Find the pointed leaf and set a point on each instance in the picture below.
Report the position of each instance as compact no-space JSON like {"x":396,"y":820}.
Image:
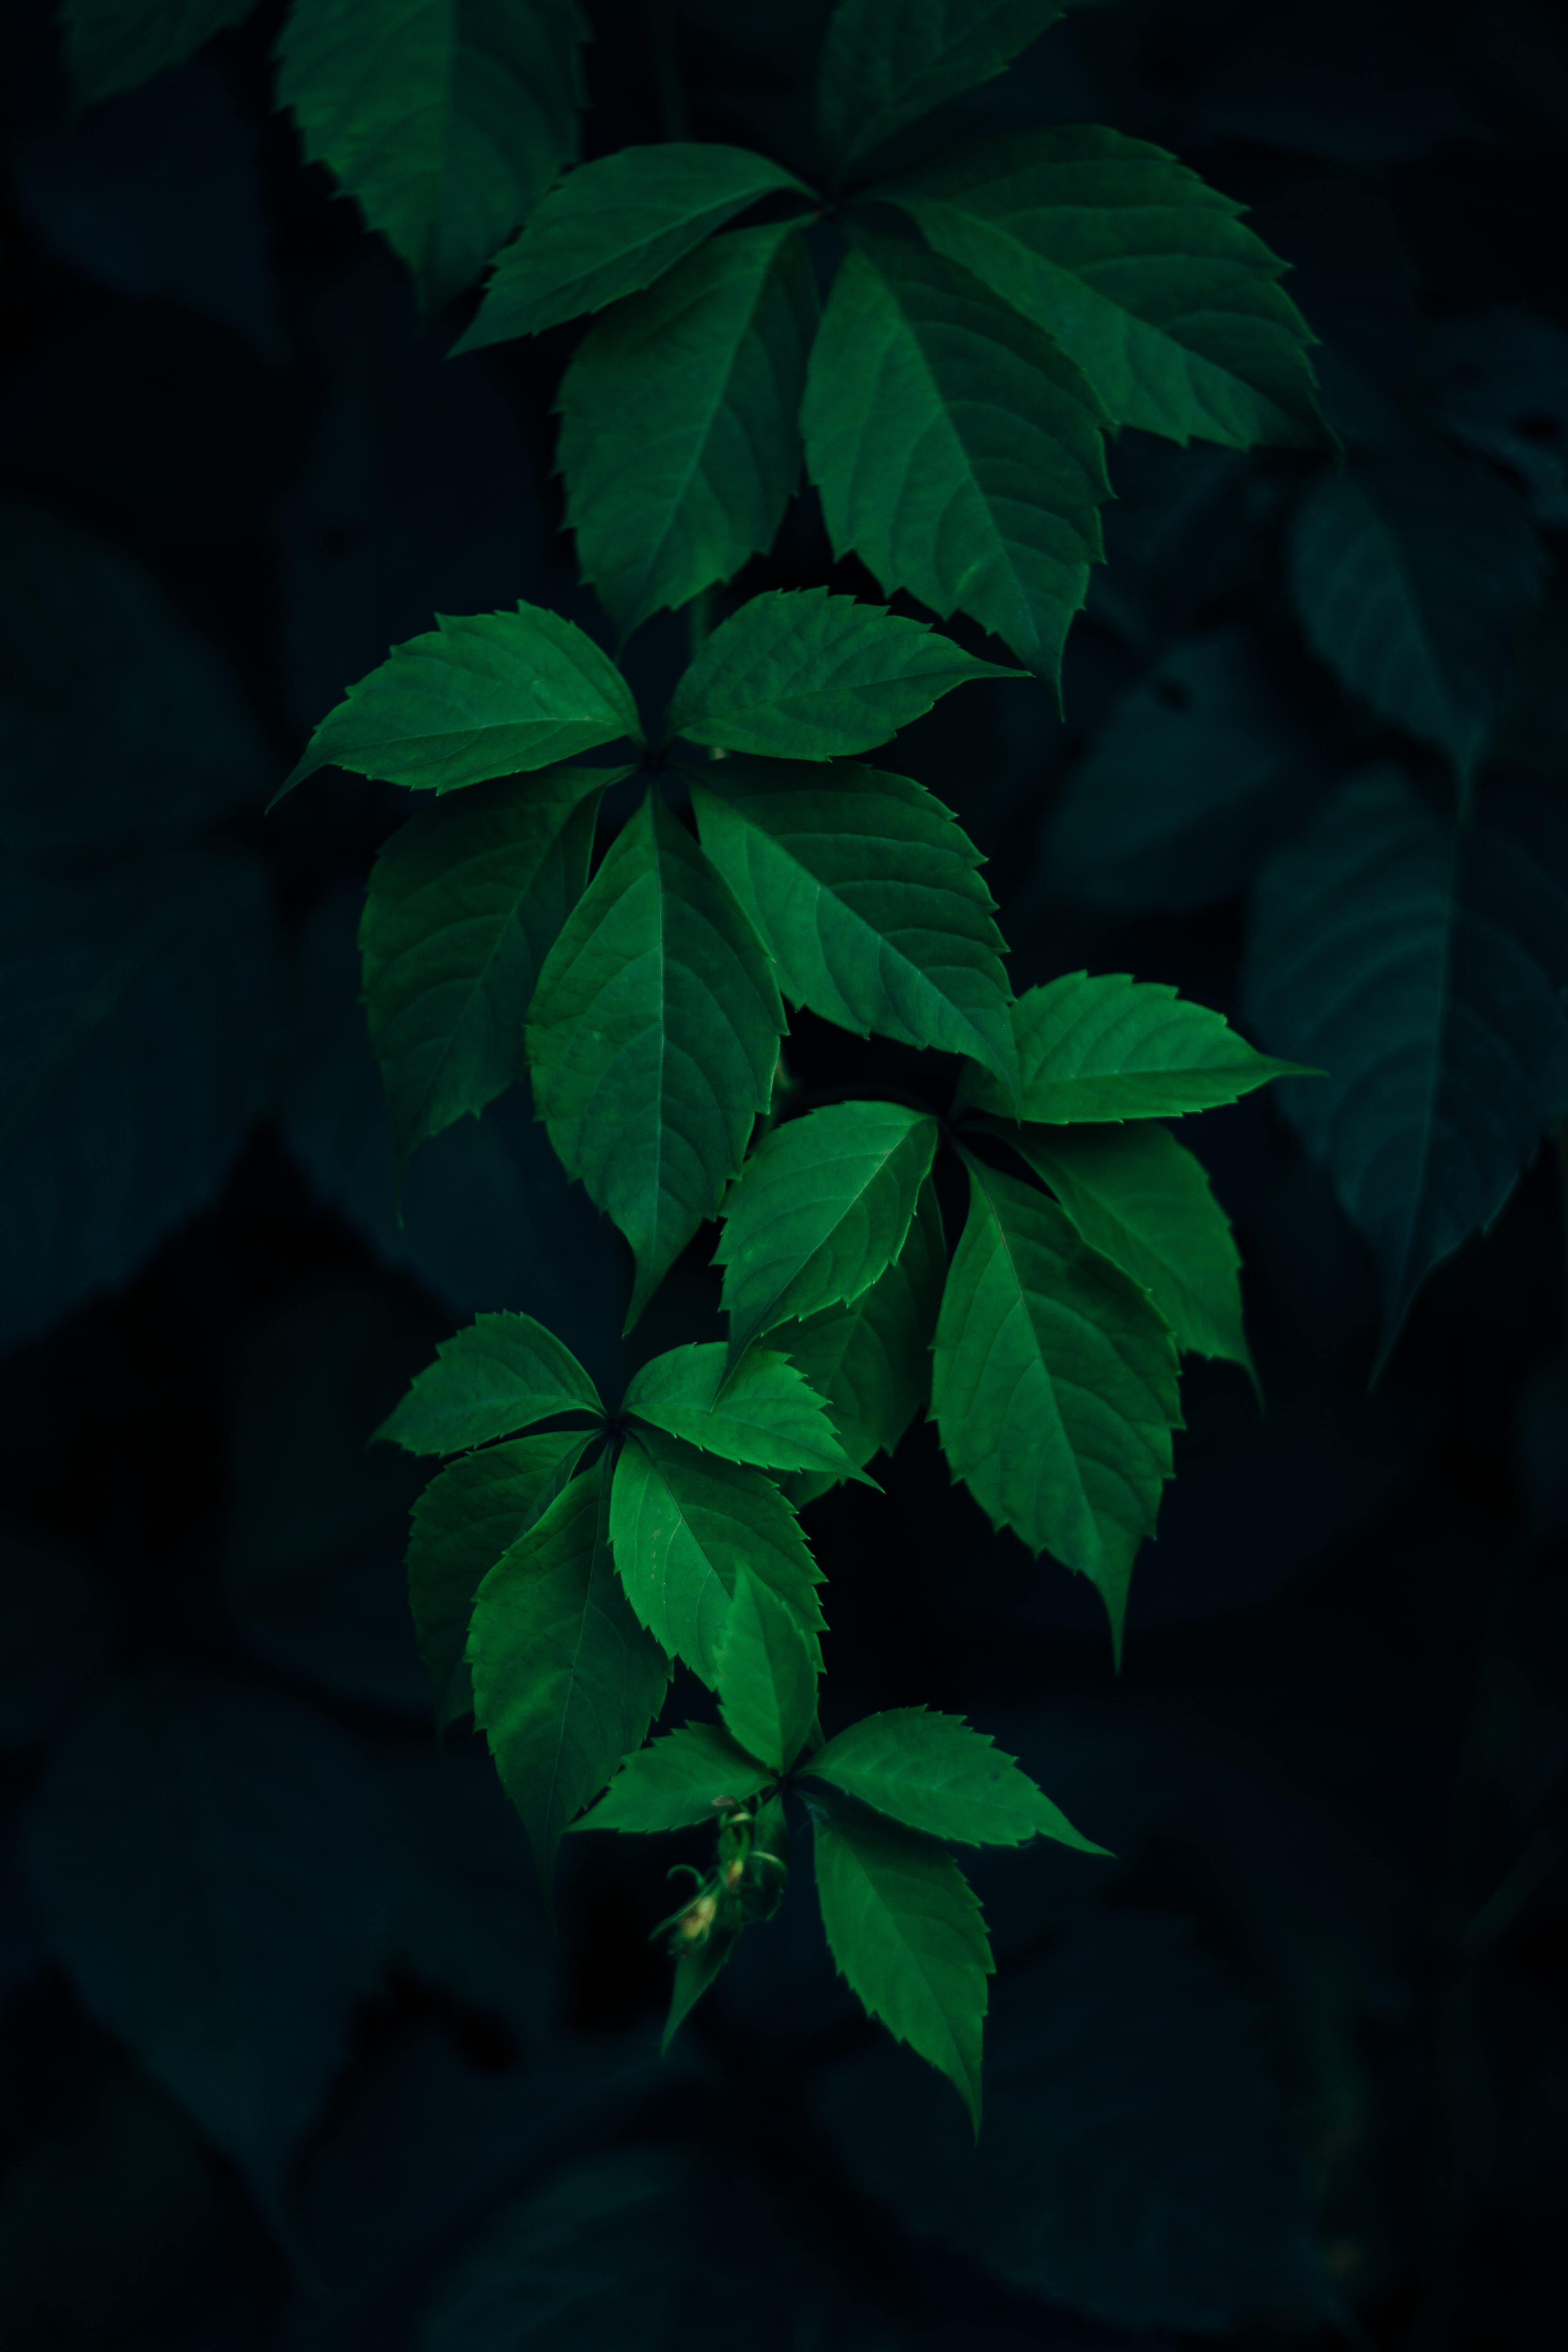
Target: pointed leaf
{"x":1144,"y":275}
{"x":887,"y":62}
{"x":446,"y":123}
{"x":612,"y":227}
{"x":866,"y":892}
{"x":115,"y":45}
{"x":1113,"y":1048}
{"x":957,"y":451}
{"x":673,"y":489}
{"x":566,"y":1682}
{"x":1054,"y":1386}
{"x":677,"y":1782}
{"x":933,"y":1773}
{"x":653,"y":1040}
{"x":766,"y":1675}
{"x":684,"y":1524}
{"x":467,"y":1517}
{"x":907,"y":1935}
{"x":498,"y":1375}
{"x":766,"y":1413}
{"x":821,"y":1208}
{"x":694,"y":1972}
{"x":798,"y":674}
{"x":465,"y":903}
{"x":485,"y":695}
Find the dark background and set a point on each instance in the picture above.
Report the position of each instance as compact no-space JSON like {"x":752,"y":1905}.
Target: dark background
{"x":289,"y":2053}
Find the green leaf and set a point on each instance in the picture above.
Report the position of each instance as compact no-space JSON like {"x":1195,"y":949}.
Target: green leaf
{"x":933,"y":1772}
{"x":484,"y":695}
{"x":765,"y":1413}
{"x":653,"y":1040}
{"x":674,"y":488}
{"x":694,"y":1972}
{"x":113,"y":45}
{"x":1142,"y":1200}
{"x":821,"y":1208}
{"x":465,"y":902}
{"x":468,"y":1514}
{"x":957,"y":451}
{"x":866,"y":892}
{"x":612,"y":227}
{"x":1410,"y":577}
{"x":566,"y":1682}
{"x":677,"y":1781}
{"x":1426,"y":963}
{"x":766,"y":1675}
{"x":1054,"y":1386}
{"x":446,"y":120}
{"x":1113,"y":1048}
{"x":800,"y":675}
{"x":684,"y":1524}
{"x":887,"y":62}
{"x":907,"y":1935}
{"x":499,"y":1374}
{"x":1144,"y":275}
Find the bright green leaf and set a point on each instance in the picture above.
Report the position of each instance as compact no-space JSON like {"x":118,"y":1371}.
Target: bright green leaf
{"x":821,"y":1208}
{"x":887,"y":62}
{"x":484,"y":695}
{"x":766,"y":1675}
{"x":1054,"y":1386}
{"x":114,"y":45}
{"x":677,"y":1782}
{"x":496,"y":1375}
{"x":1113,"y":1048}
{"x":684,"y":1524}
{"x":1142,"y":274}
{"x":933,"y":1772}
{"x":612,"y":227}
{"x":674,"y":485}
{"x":798,"y":674}
{"x":465,"y":903}
{"x":566,"y":1682}
{"x":868,"y":897}
{"x":766,"y":1413}
{"x":958,"y":450}
{"x":653,"y":1040}
{"x":445,"y":119}
{"x":907,"y":1935}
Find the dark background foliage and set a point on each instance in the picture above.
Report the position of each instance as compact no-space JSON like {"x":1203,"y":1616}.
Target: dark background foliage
{"x":290,"y":2054}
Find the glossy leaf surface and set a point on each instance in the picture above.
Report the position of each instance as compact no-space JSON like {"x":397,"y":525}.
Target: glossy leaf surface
{"x":499,"y":1374}
{"x":765,"y":1413}
{"x":677,"y":1782}
{"x":766,"y":1675}
{"x":933,"y":1772}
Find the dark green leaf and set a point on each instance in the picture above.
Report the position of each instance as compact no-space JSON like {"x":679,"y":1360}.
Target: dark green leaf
{"x":673,"y":489}
{"x":821,"y":1208}
{"x":653,"y":1040}
{"x":766,"y":1675}
{"x":1054,"y":1386}
{"x":800,"y":675}
{"x":612,"y":227}
{"x":566,"y":1682}
{"x":957,"y":451}
{"x":684,"y":1524}
{"x":695,"y":1971}
{"x":446,"y":122}
{"x":907,"y":1935}
{"x":1426,"y":963}
{"x":113,"y":45}
{"x":1144,"y":276}
{"x":887,"y":62}
{"x":766,"y":1413}
{"x":502,"y":1374}
{"x":678,"y":1781}
{"x":468,"y":1515}
{"x":465,"y":903}
{"x":933,"y":1773}
{"x":867,"y":895}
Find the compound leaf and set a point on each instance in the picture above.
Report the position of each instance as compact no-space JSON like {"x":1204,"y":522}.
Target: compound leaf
{"x":499,"y":1374}
{"x":957,"y":450}
{"x":465,"y":902}
{"x":765,"y":1413}
{"x":1054,"y":1386}
{"x":1144,"y":275}
{"x":675,"y":487}
{"x":766,"y":1675}
{"x":114,"y":45}
{"x":887,"y":62}
{"x":678,"y":1781}
{"x":933,"y":1772}
{"x":614,"y":226}
{"x":653,"y":1040}
{"x":484,"y":695}
{"x":907,"y":1935}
